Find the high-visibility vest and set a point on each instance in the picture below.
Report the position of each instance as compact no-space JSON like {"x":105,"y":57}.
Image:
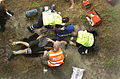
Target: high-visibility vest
{"x":85,"y":38}
{"x":55,"y":58}
{"x":51,"y":18}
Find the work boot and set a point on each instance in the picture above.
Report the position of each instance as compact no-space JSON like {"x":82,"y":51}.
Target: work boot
{"x":32,"y":31}
{"x":10,"y":55}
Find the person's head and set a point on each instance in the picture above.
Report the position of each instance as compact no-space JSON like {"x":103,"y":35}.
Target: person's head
{"x":74,"y":34}
{"x":57,"y":44}
{"x":65,"y":19}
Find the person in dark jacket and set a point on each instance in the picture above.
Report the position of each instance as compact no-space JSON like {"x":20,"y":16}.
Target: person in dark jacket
{"x":4,"y":16}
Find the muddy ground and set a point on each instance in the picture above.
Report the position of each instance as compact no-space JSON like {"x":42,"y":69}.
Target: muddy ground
{"x":103,"y":63}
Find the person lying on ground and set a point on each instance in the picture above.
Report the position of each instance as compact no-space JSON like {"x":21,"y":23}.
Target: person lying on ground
{"x":48,"y":18}
{"x":33,"y":47}
{"x":63,"y":30}
{"x":55,"y":57}
{"x":85,"y":40}
{"x":4,"y":16}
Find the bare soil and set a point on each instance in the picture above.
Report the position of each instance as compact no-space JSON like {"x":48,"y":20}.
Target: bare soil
{"x":103,"y":63}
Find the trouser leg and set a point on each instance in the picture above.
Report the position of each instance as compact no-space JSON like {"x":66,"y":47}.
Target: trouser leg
{"x":38,"y":25}
{"x":25,"y":51}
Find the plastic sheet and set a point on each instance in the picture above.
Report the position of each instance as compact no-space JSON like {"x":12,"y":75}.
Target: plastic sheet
{"x":77,"y":73}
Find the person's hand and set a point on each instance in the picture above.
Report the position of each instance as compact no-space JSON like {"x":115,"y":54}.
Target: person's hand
{"x":14,"y":43}
{"x":71,"y":38}
{"x":46,"y":53}
{"x":70,"y":42}
{"x":48,"y":39}
{"x":63,"y":28}
{"x":59,"y":13}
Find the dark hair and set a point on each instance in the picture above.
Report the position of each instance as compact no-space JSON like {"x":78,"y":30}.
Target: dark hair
{"x":65,"y":19}
{"x":74,"y":34}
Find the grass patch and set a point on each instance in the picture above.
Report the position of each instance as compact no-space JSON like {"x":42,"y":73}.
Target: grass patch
{"x":5,"y":78}
{"x":105,"y":37}
{"x":109,"y":15}
{"x":83,"y":18}
{"x":119,"y":57}
{"x":67,"y":15}
{"x":35,"y":4}
{"x":110,"y":61}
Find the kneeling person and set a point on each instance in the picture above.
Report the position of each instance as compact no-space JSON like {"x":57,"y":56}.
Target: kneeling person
{"x":85,"y":40}
{"x":56,"y":56}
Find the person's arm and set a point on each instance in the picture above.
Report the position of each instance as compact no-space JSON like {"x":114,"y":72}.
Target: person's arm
{"x":41,"y":36}
{"x":63,"y":42}
{"x":63,"y":49}
{"x":21,"y":42}
{"x":50,"y":40}
{"x":64,"y":53}
{"x":47,"y":47}
{"x":45,"y":57}
{"x":72,"y":43}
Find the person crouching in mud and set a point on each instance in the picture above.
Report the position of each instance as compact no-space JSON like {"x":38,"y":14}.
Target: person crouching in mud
{"x":55,"y":57}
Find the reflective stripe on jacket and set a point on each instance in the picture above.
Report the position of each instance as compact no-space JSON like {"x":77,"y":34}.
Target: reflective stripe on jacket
{"x":55,"y":58}
{"x":51,"y":18}
{"x":85,"y":38}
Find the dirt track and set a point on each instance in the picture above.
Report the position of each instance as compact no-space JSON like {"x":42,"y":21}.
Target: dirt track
{"x":103,"y":63}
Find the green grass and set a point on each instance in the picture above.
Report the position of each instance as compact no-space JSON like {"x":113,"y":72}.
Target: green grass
{"x":35,"y":4}
{"x":83,"y":18}
{"x":104,"y":36}
{"x":109,"y":15}
{"x":110,"y":61}
{"x":5,"y":78}
{"x":119,"y":57}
